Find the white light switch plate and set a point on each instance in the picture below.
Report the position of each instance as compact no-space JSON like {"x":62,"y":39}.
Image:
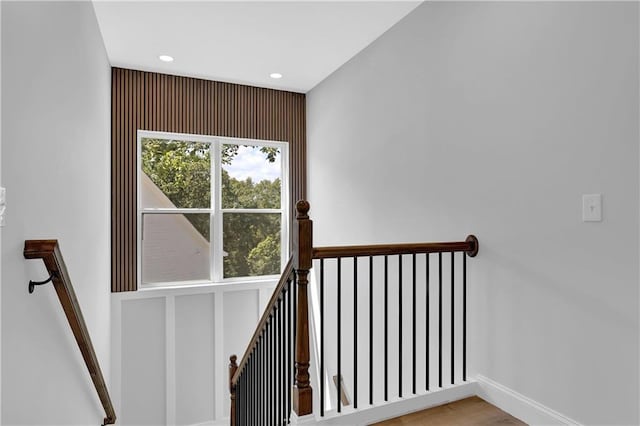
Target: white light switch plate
{"x":3,"y":202}
{"x":592,"y":208}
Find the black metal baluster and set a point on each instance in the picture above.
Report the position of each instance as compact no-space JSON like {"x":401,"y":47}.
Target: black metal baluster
{"x":322,"y":372}
{"x":453,"y":286}
{"x":238,"y":401}
{"x":282,"y":356}
{"x":386,"y":328}
{"x":283,"y":359}
{"x":246,"y":394}
{"x":288,"y":353}
{"x":247,"y":402}
{"x":283,"y":363}
{"x":253,"y":384}
{"x":400,"y":326}
{"x":245,"y":379}
{"x":339,"y":381}
{"x":464,"y":317}
{"x":413,"y":312}
{"x":258,"y":369}
{"x":270,"y":381}
{"x":254,"y":388}
{"x":440,"y":319}
{"x":256,"y":394}
{"x":427,"y":325}
{"x":242,"y":402}
{"x":355,"y":332}
{"x":274,"y":381}
{"x":371,"y":330}
{"x":289,"y":357}
{"x":239,"y":406}
{"x":261,"y":382}
{"x":256,"y":416}
{"x":278,"y":364}
{"x":240,"y":394}
{"x":267,"y":376}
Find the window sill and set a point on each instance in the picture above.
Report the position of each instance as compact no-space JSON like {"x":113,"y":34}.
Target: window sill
{"x":161,"y":290}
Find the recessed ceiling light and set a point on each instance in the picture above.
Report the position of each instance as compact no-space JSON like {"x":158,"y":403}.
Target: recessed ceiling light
{"x":275,"y":75}
{"x":165,"y":58}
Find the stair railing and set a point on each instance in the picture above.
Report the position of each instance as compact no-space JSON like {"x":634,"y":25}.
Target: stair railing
{"x":49,"y":252}
{"x":380,"y":280}
{"x":272,"y":378}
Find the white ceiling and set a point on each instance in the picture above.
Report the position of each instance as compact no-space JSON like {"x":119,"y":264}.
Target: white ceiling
{"x":243,"y":42}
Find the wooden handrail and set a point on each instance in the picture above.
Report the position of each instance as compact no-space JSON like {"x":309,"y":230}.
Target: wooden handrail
{"x":277,"y":293}
{"x":469,"y":246}
{"x":49,"y":252}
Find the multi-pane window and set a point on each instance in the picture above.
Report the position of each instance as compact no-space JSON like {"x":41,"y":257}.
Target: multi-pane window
{"x":210,"y":209}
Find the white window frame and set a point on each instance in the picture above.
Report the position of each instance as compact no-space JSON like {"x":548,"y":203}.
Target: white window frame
{"x":215,"y":210}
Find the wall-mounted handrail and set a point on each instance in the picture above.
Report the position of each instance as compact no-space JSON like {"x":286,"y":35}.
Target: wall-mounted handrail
{"x":49,"y":252}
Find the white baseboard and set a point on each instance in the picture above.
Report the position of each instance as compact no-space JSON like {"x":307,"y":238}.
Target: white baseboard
{"x":508,"y":400}
{"x":399,"y":407}
{"x":518,"y":405}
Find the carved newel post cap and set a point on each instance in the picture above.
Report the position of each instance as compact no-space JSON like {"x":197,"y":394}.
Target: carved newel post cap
{"x":302,"y":206}
{"x":233,"y":360}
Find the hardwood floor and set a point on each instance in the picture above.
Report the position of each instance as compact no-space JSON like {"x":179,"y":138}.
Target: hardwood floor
{"x":472,"y":411}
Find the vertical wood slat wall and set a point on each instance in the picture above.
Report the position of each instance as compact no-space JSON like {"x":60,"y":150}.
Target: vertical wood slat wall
{"x":151,"y":101}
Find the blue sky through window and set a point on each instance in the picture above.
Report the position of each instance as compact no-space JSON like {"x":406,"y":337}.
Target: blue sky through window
{"x":250,"y":162}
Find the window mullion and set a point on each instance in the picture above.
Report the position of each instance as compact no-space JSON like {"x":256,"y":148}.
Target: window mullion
{"x":216,"y":209}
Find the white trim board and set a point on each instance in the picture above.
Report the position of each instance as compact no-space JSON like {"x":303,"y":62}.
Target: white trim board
{"x":518,"y":405}
{"x":399,"y":407}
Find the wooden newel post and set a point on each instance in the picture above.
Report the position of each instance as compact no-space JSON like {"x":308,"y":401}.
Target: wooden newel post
{"x":303,"y":247}
{"x":233,"y":367}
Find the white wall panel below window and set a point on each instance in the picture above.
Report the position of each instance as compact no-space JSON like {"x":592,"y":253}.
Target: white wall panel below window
{"x":143,"y":363}
{"x":194,"y":354}
{"x":170,"y":363}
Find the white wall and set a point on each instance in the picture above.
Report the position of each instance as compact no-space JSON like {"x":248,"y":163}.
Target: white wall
{"x":55,"y":165}
{"x":494,"y":119}
{"x":171,"y":348}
